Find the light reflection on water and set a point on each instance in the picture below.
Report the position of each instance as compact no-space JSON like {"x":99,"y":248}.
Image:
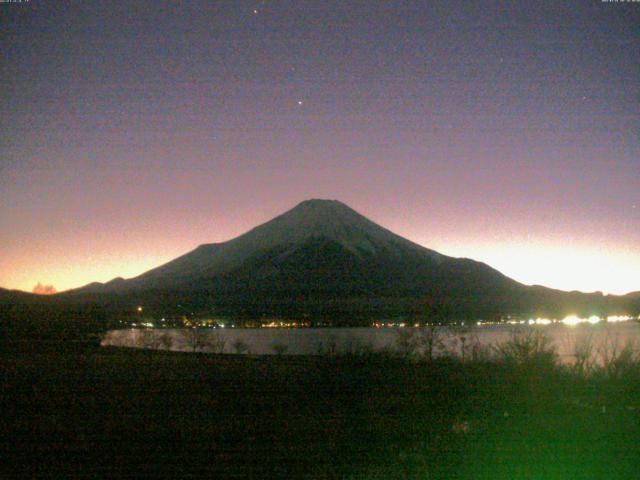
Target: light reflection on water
{"x":266,"y":341}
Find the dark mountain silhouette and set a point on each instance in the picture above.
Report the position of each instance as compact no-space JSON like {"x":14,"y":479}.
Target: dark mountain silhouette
{"x":8,"y":295}
{"x":323,"y":260}
{"x":317,"y":237}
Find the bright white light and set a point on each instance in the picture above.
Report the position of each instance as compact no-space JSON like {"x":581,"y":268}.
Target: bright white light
{"x":542,"y":321}
{"x":580,"y":266}
{"x":618,"y":318}
{"x":571,"y":320}
{"x":530,"y":322}
{"x":593,"y":319}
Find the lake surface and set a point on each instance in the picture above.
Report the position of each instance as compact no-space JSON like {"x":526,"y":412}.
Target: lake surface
{"x":603,"y":338}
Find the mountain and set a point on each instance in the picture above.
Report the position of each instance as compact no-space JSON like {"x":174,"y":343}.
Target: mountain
{"x":322,"y":259}
{"x":7,"y":296}
{"x":325,"y":229}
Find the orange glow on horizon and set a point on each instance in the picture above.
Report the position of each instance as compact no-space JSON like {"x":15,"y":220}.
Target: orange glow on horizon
{"x":78,"y":273}
{"x":545,"y":255}
{"x":562,"y":267}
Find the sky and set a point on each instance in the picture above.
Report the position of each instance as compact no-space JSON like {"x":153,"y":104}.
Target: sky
{"x":507,"y":132}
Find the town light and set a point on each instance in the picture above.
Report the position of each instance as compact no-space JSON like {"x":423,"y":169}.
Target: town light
{"x":571,"y":320}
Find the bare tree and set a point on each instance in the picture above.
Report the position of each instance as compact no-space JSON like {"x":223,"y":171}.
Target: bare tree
{"x":406,"y":342}
{"x":240,"y":347}
{"x":584,"y":356}
{"x":195,"y":338}
{"x":462,"y":335}
{"x":148,"y":338}
{"x":619,"y":360}
{"x":215,"y":342}
{"x":430,"y":339}
{"x":477,"y":351}
{"x":328,"y":346}
{"x":356,"y":347}
{"x":166,"y":340}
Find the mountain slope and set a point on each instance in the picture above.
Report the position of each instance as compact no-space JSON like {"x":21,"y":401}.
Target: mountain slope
{"x":311,"y":219}
{"x":323,"y":259}
{"x":305,"y":230}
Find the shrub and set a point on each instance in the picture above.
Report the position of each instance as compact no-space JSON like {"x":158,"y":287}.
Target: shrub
{"x":166,"y":341}
{"x":279,"y":348}
{"x":148,"y":338}
{"x":528,"y":349}
{"x":356,"y":347}
{"x":327,"y":347}
{"x":620,"y":361}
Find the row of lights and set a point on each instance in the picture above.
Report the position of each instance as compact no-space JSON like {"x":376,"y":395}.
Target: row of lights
{"x":575,"y":320}
{"x":572,"y":320}
{"x":280,"y":324}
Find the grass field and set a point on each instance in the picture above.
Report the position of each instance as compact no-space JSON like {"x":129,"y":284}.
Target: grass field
{"x":114,"y":413}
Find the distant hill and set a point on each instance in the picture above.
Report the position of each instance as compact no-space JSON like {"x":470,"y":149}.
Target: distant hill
{"x":10,"y":295}
{"x":322,"y":259}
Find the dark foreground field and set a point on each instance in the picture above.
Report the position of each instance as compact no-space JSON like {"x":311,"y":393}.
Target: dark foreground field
{"x":110,"y":413}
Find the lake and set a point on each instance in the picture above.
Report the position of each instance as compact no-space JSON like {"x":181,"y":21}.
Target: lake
{"x":603,"y":338}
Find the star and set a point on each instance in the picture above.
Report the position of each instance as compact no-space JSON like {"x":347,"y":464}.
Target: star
{"x":255,"y":11}
{"x":299,"y":102}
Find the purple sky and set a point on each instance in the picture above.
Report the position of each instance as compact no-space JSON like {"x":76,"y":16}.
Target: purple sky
{"x":508,"y":132}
